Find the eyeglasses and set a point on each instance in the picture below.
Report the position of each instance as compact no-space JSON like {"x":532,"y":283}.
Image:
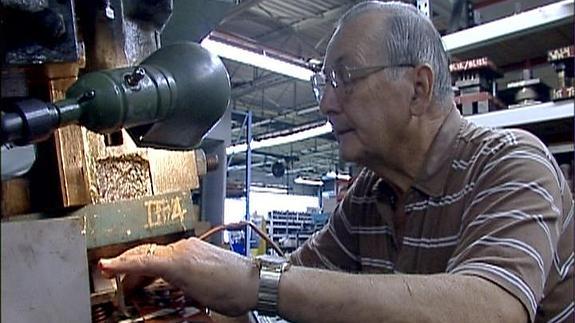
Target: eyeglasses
{"x":344,"y":76}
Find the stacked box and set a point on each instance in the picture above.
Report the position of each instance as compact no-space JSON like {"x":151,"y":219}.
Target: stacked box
{"x":475,"y":81}
{"x":562,"y":60}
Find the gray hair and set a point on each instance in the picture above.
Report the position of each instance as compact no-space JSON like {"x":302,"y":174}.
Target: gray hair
{"x":410,"y":38}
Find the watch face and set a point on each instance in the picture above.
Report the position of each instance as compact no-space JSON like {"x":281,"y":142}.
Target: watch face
{"x":270,"y":260}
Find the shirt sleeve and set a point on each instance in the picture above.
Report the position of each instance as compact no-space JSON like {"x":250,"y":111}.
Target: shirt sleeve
{"x":512,"y":222}
{"x":334,"y":247}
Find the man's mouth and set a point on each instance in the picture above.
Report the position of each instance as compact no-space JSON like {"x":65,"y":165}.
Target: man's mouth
{"x":340,"y":129}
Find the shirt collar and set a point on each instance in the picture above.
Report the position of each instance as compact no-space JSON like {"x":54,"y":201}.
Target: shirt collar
{"x":383,"y":192}
{"x":433,"y":175}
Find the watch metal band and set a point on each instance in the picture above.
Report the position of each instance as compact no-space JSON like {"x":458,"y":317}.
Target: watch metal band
{"x":270,"y":274}
{"x":268,"y":292}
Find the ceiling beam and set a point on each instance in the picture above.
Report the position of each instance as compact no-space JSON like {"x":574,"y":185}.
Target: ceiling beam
{"x":240,"y":8}
{"x":306,"y":23}
{"x":321,"y":154}
{"x":296,"y":129}
{"x":306,"y":109}
{"x":266,"y":155}
{"x":324,"y":152}
{"x":265,"y":81}
{"x":256,"y":115}
{"x":318,"y":149}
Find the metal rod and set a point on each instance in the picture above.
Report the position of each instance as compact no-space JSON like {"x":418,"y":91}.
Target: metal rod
{"x":248,"y":177}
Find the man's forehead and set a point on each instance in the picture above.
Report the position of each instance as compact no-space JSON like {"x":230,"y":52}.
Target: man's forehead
{"x":345,"y":53}
{"x":352,"y":40}
{"x":343,"y":47}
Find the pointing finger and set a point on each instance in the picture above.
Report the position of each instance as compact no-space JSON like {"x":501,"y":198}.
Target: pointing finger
{"x":147,"y":260}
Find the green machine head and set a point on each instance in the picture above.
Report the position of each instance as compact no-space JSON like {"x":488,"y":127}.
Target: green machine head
{"x":171,"y":100}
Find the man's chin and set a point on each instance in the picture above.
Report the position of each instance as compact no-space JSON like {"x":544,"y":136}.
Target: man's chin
{"x":350,"y":155}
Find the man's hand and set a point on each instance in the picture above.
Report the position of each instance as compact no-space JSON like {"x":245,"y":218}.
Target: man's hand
{"x":219,"y":279}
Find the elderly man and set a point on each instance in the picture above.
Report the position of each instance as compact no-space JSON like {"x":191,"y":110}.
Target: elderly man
{"x":447,"y":222}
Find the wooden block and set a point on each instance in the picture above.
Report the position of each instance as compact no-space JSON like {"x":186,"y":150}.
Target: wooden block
{"x":173,"y":170}
{"x":69,"y":144}
{"x":72,"y":166}
{"x":15,"y":197}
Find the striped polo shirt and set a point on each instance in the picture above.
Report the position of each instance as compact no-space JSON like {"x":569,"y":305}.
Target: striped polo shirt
{"x":488,"y":202}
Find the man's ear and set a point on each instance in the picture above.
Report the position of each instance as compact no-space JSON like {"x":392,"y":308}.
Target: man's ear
{"x":422,"y":89}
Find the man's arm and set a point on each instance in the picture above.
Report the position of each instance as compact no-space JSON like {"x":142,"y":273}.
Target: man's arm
{"x":312,"y":295}
{"x":228,"y":283}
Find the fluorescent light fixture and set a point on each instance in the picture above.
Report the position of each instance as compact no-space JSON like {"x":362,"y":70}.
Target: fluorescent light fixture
{"x":281,"y":140}
{"x":333,"y":175}
{"x":255,"y":59}
{"x":236,"y":149}
{"x":275,"y":190}
{"x":303,"y":181}
{"x":243,"y":166}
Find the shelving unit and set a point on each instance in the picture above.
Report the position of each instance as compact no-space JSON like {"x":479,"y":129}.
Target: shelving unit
{"x":547,"y":111}
{"x":509,"y":41}
{"x":289,"y":229}
{"x":562,"y":148}
{"x":510,"y":27}
{"x":533,"y":115}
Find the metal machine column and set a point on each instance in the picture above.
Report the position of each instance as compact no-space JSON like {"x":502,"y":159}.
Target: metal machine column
{"x":248,"y":178}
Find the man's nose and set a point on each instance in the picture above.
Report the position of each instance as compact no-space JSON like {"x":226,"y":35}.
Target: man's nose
{"x":329,"y":103}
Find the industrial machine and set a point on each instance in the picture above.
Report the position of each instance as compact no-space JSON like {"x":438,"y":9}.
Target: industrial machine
{"x":103,"y":109}
{"x":170,"y":100}
{"x":527,"y":91}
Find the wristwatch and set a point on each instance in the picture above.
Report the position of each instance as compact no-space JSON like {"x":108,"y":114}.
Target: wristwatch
{"x":271,"y":269}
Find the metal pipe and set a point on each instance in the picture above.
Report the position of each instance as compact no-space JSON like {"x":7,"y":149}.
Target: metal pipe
{"x":248,"y":177}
